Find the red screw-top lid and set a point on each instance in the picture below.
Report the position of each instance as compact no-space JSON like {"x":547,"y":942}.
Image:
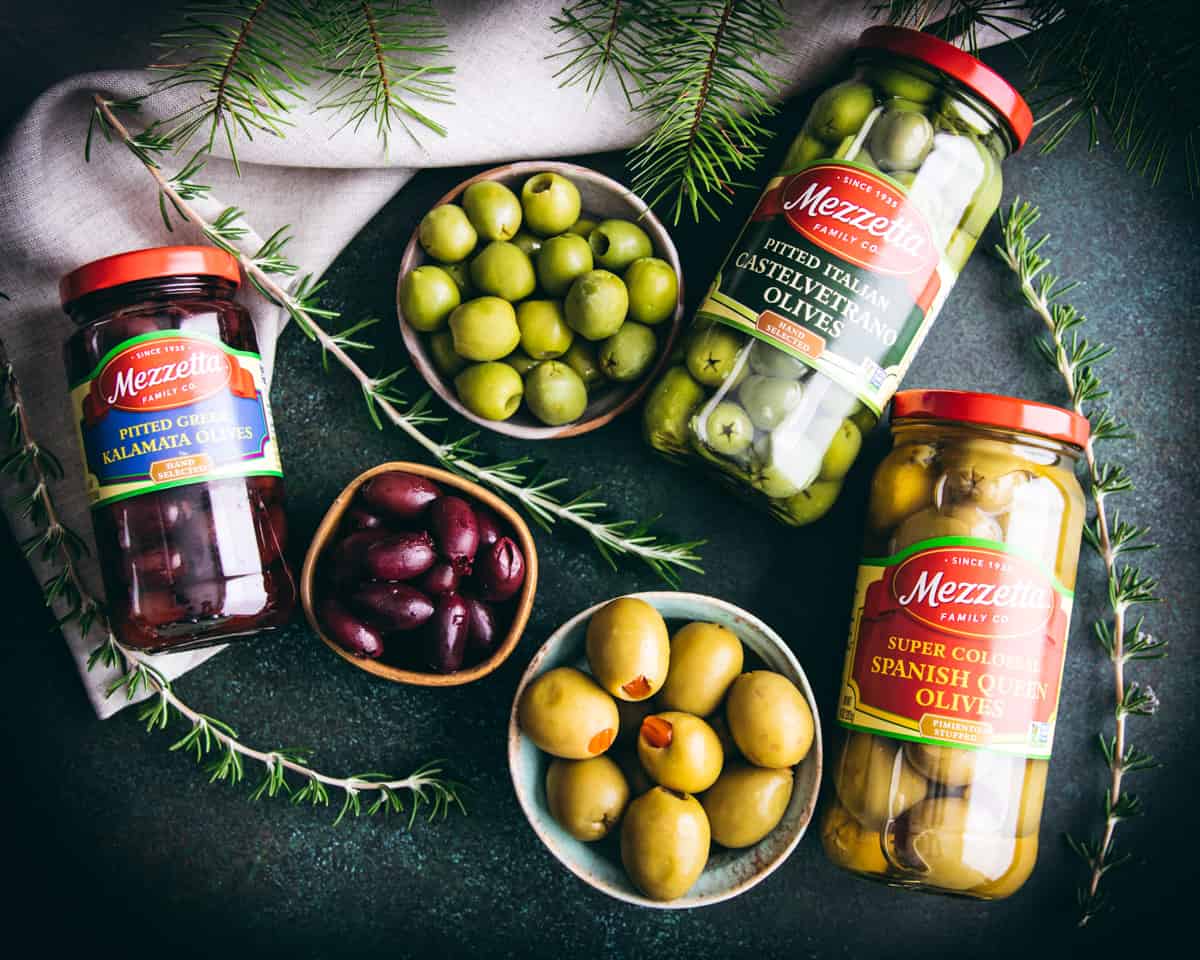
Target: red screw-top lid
{"x":992,"y":410}
{"x":146,"y":265}
{"x":960,"y":65}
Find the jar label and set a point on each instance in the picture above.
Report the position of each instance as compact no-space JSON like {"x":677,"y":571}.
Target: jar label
{"x":958,"y":641}
{"x":170,"y":408}
{"x":837,"y":268}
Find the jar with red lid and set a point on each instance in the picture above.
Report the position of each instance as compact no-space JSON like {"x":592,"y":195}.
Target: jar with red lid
{"x":182,"y":461}
{"x":957,"y":643}
{"x":833,"y":284}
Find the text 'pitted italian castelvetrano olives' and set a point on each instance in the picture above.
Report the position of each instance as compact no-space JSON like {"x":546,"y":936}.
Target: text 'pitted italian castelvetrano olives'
{"x":834,"y":283}
{"x":692,"y":760}
{"x":521,"y":280}
{"x":957,"y":643}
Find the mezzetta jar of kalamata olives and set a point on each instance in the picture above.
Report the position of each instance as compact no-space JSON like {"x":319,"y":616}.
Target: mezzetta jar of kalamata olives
{"x":834,"y":283}
{"x":182,"y":462}
{"x":957,"y":643}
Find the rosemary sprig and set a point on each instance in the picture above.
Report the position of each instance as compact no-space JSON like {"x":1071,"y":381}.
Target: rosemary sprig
{"x":212,"y":742}
{"x":514,"y":478}
{"x":1121,"y":636}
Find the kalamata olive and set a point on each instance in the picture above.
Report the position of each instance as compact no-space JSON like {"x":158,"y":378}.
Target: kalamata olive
{"x":393,"y":606}
{"x":400,"y":494}
{"x":399,"y":556}
{"x":155,"y":568}
{"x":442,"y":578}
{"x":501,"y":569}
{"x":349,"y":555}
{"x":156,"y":606}
{"x":482,"y":634}
{"x":452,"y":523}
{"x":490,"y":528}
{"x":360,"y":518}
{"x":348,"y":632}
{"x":206,"y":598}
{"x":273,"y":534}
{"x":446,"y":642}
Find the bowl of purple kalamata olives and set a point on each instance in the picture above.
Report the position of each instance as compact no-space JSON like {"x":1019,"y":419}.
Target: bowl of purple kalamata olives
{"x":420,"y":576}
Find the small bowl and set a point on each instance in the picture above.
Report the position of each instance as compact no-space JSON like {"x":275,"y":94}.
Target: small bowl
{"x":471,"y":492}
{"x":728,"y":872}
{"x":603,"y":198}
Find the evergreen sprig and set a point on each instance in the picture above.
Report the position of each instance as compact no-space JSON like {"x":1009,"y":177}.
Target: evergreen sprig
{"x":1073,"y":357}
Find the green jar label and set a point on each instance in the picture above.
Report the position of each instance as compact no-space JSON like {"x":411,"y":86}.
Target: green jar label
{"x":837,"y":268}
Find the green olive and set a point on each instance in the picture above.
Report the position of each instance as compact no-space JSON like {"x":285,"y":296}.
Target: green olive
{"x":520,"y":361}
{"x":901,"y":105}
{"x":567,"y":715}
{"x":746,"y":803}
{"x":427,"y":295}
{"x":1012,"y":787}
{"x":494,"y":210}
{"x":551,"y":203}
{"x":560,"y":261}
{"x":958,"y":250}
{"x":628,"y":353}
{"x":769,"y":399}
{"x":902,"y":485}
{"x":900,"y":140}
{"x":596,"y":304}
{"x":772,"y":362}
{"x":841,"y":110}
{"x":951,"y":766}
{"x":864,"y":418}
{"x":586,"y":797}
{"x":555,"y":393}
{"x":957,"y":844}
{"x":765,"y":474}
{"x":851,"y":845}
{"x":490,"y":390}
{"x":528,"y":243}
{"x":987,"y":481}
{"x":544,"y":331}
{"x":680,"y":751}
{"x":803,"y":151}
{"x":813,"y":502}
{"x":841,"y":452}
{"x":581,"y":357}
{"x":664,"y":843}
{"x":668,"y":410}
{"x":484,"y":329}
{"x":987,"y":195}
{"x":713,"y":354}
{"x":728,"y":430}
{"x":583,"y":227}
{"x":628,"y":648}
{"x":446,"y":234}
{"x":963,"y":520}
{"x":460,"y":273}
{"x":653,"y":290}
{"x":875,"y":782}
{"x":441,"y":348}
{"x":1023,"y":859}
{"x":705,"y":659}
{"x":503,"y":269}
{"x":617,"y":243}
{"x":895,"y":81}
{"x":769,"y":718}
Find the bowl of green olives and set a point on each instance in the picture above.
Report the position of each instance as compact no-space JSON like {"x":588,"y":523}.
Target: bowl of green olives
{"x":540,"y":299}
{"x":665,"y":748}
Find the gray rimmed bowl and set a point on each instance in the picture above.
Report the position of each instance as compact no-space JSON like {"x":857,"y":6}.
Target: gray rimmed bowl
{"x":728,"y":872}
{"x":603,"y":198}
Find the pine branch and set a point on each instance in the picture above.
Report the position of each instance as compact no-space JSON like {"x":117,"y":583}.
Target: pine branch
{"x":1074,"y":359}
{"x":603,"y":37}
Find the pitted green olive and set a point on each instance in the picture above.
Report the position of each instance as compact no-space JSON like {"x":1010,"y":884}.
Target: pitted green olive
{"x":875,"y":782}
{"x":705,"y":659}
{"x":841,"y":452}
{"x":813,"y":502}
{"x":958,"y":521}
{"x":586,"y":797}
{"x":680,"y":751}
{"x":746,"y":803}
{"x":766,"y":476}
{"x":446,"y":233}
{"x":769,"y":399}
{"x":957,"y":844}
{"x":550,"y":203}
{"x":664,"y":843}
{"x":713,"y":354}
{"x":628,"y":648}
{"x":841,"y":110}
{"x":770,"y":362}
{"x":567,"y":715}
{"x":987,"y":482}
{"x":900,"y":140}
{"x":503,"y":270}
{"x":484,"y":329}
{"x":493,"y":209}
{"x":617,"y":243}
{"x":628,"y":353}
{"x":668,"y":410}
{"x":769,"y":718}
{"x":728,"y":430}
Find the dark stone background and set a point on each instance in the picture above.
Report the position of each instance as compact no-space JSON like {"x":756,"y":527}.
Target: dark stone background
{"x":130,"y":848}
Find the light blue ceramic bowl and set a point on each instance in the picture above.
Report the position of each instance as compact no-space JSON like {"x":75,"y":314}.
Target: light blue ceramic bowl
{"x":728,"y":872}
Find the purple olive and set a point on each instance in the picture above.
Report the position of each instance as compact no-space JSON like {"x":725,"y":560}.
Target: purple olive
{"x":360,"y":518}
{"x":155,"y":567}
{"x":501,"y":570}
{"x":481,"y":627}
{"x":452,"y":523}
{"x":348,"y":632}
{"x":156,"y":606}
{"x":446,"y":641}
{"x":399,"y":556}
{"x":490,"y":528}
{"x":349,"y":555}
{"x":393,"y":606}
{"x":400,"y":494}
{"x":441,"y":578}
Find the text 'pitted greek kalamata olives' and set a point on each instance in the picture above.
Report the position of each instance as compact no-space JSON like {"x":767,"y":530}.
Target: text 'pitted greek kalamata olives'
{"x":427,"y":586}
{"x":590,"y":297}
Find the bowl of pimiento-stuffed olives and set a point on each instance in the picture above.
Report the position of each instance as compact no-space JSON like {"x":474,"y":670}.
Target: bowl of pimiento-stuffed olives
{"x":665,"y":748}
{"x":539,"y":299}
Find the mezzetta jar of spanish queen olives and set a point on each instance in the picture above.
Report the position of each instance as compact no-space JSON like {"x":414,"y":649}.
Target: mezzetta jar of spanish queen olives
{"x":181,"y":459}
{"x":957,"y":642}
{"x":833,"y":284}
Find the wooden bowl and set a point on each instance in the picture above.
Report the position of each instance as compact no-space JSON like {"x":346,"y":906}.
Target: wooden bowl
{"x":603,"y":198}
{"x":471,"y":492}
{"x":728,"y":873}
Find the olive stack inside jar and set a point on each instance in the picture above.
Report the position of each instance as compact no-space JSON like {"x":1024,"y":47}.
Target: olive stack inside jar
{"x":426,"y":573}
{"x":957,"y":643}
{"x":835,"y":281}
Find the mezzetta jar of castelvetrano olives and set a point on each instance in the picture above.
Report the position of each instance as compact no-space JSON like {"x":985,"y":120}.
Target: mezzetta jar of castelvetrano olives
{"x":181,"y":459}
{"x":957,"y":643}
{"x":832,"y":286}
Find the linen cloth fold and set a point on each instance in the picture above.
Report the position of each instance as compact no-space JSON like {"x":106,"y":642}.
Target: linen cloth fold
{"x":323,"y":178}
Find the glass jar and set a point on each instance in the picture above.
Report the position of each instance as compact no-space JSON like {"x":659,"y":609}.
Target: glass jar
{"x":182,"y":462}
{"x":957,"y":643}
{"x":834,"y":282}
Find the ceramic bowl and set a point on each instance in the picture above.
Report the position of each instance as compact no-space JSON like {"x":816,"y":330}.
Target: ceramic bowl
{"x":603,"y":198}
{"x":472,"y":492}
{"x":728,"y":872}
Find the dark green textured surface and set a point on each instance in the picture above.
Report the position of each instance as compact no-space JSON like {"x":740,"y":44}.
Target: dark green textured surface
{"x":117,"y":830}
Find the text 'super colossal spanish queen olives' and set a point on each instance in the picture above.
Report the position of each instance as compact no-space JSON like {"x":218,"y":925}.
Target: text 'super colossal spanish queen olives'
{"x":957,"y":641}
{"x":845,"y":263}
